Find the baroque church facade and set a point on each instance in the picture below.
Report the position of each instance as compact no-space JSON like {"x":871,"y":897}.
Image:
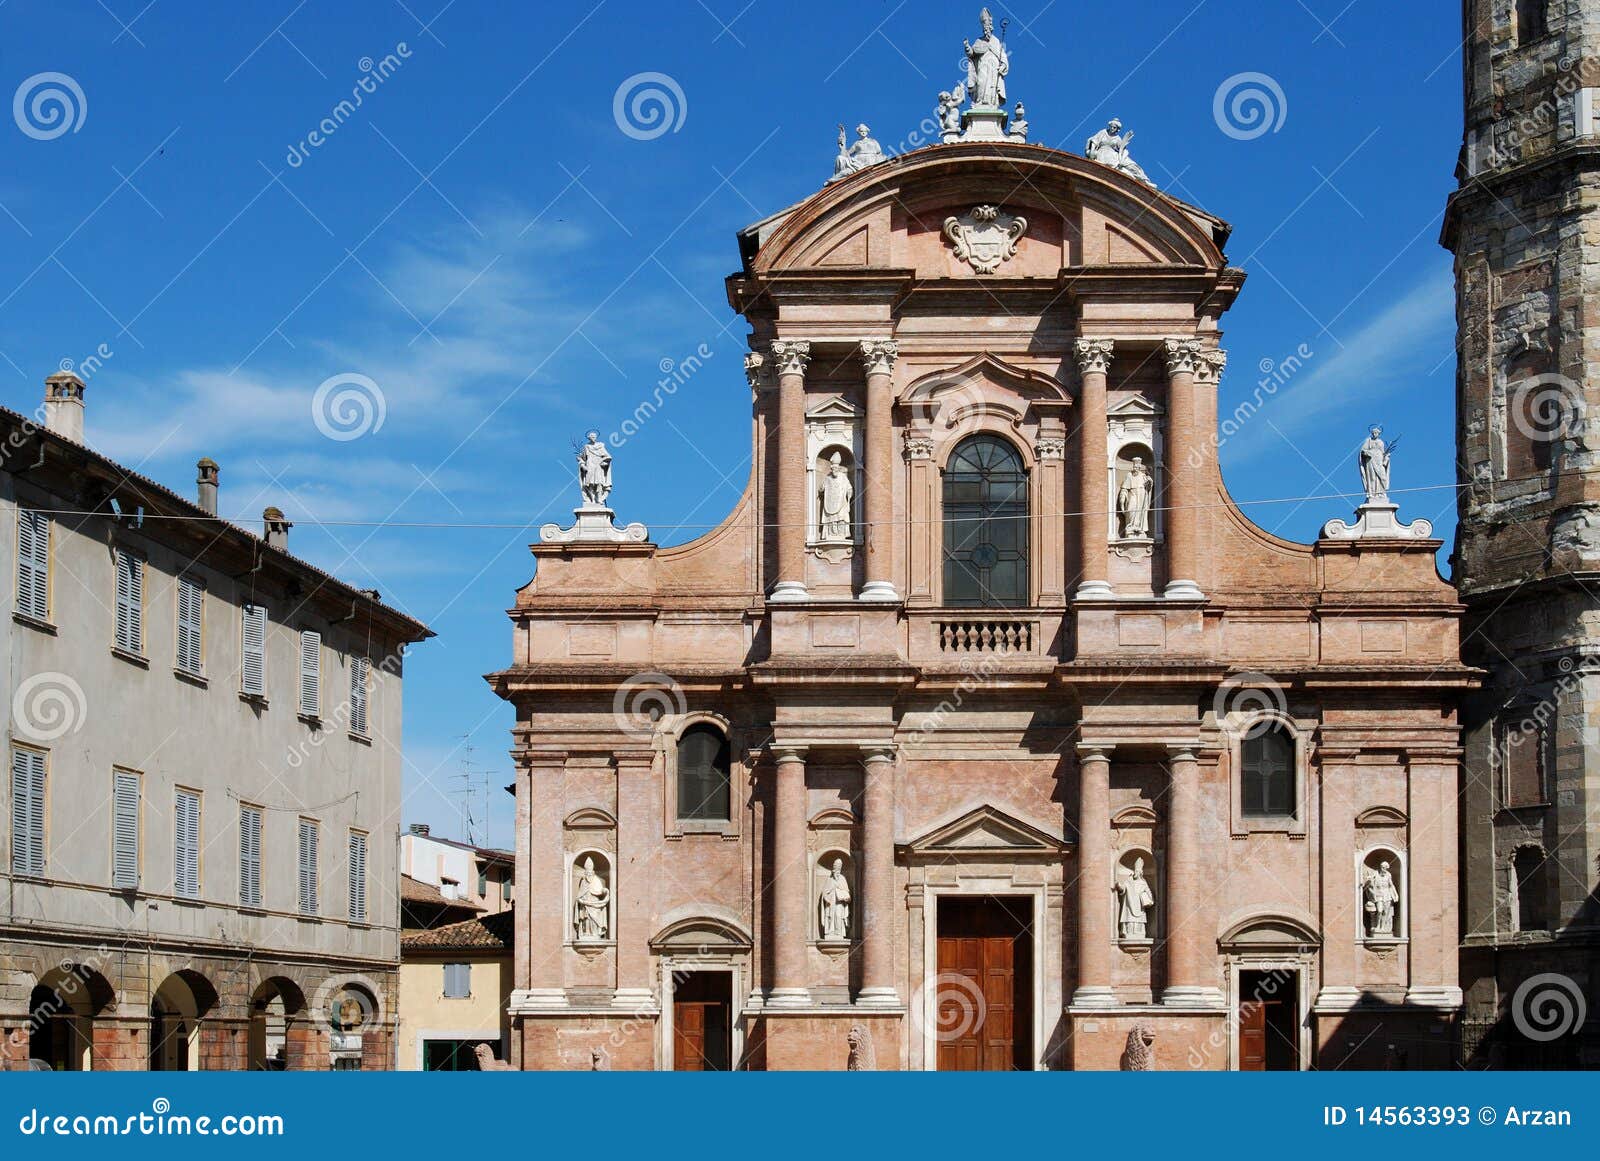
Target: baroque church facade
{"x":987,"y":731}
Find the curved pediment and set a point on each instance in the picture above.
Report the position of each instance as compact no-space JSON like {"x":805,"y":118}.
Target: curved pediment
{"x":952,"y":396}
{"x":985,"y":830}
{"x":1271,"y":931}
{"x":699,"y":932}
{"x":1020,"y":211}
{"x":1381,"y":816}
{"x":590,"y":818}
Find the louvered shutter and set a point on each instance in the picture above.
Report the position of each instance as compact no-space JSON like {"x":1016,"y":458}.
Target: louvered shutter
{"x":358,"y":877}
{"x":27,"y":812}
{"x":33,"y":564}
{"x":358,"y":694}
{"x":125,"y":830}
{"x":130,"y":602}
{"x":253,"y":663}
{"x":186,"y":845}
{"x":249,"y":856}
{"x":191,"y":602}
{"x":308,"y":867}
{"x":310,"y":673}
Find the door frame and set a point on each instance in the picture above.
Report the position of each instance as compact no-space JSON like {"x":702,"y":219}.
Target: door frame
{"x":927,"y":993}
{"x":1294,"y":965}
{"x":671,"y":966}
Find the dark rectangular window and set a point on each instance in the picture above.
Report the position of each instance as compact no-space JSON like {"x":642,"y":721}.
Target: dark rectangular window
{"x":703,"y":775}
{"x":1267,"y":781}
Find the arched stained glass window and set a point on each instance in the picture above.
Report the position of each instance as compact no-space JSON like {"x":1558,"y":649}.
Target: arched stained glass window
{"x":985,"y":525}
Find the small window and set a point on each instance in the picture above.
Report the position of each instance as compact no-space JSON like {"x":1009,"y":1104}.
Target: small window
{"x":505,"y":889}
{"x":130,"y":602}
{"x":703,"y":775}
{"x":191,"y":624}
{"x":1531,"y":868}
{"x":457,"y":981}
{"x":310,"y":674}
{"x":358,"y":877}
{"x":27,"y":811}
{"x":186,"y":844}
{"x":1532,"y":20}
{"x":308,"y":867}
{"x":483,"y":882}
{"x":124,"y":830}
{"x":33,"y":564}
{"x":1522,"y":764}
{"x":253,"y":647}
{"x":359,"y":668}
{"x":1268,"y":778}
{"x":250,"y":856}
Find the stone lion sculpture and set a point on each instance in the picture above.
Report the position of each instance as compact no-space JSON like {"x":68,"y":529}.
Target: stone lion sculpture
{"x":1139,"y":1056}
{"x":863,"y":1057}
{"x":487,"y":1061}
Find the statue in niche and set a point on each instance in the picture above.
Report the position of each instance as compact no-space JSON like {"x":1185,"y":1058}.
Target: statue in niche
{"x":1110,"y":148}
{"x":834,"y":500}
{"x":591,"y":904}
{"x":833,"y":905}
{"x":594,"y":470}
{"x":1133,"y":501}
{"x":1135,"y":898}
{"x":1381,"y":897}
{"x":987,"y":66}
{"x":1375,"y":456}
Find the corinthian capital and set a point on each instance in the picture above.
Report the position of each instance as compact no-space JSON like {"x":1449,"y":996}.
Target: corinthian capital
{"x":755,"y":370}
{"x":1183,"y":356}
{"x":879,"y":355}
{"x":1210,"y":369}
{"x":792,"y":355}
{"x":1094,"y":356}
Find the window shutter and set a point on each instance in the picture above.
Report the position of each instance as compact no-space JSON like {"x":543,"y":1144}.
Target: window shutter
{"x":33,"y":564}
{"x":308,"y":867}
{"x":457,"y":981}
{"x":191,"y":598}
{"x":130,"y":602}
{"x":310,"y":673}
{"x":27,"y":812}
{"x":253,"y":664}
{"x":249,"y":856}
{"x":186,"y":861}
{"x":358,"y":877}
{"x":125,"y":830}
{"x":358,"y":694}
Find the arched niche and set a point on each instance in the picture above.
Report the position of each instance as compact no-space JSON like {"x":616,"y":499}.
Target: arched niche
{"x":1135,"y":899}
{"x":833,"y":897}
{"x":833,"y":431}
{"x":1381,"y":894}
{"x":591,"y":900}
{"x":1134,"y":436}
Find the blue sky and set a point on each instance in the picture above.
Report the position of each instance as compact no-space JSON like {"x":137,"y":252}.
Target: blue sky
{"x":483,"y":241}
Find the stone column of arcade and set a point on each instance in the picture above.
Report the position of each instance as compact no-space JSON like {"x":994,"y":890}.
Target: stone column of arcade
{"x":877,"y":879}
{"x":1094,"y":878}
{"x":790,"y":880}
{"x":879,"y":356}
{"x":1184,"y":477}
{"x":790,"y":358}
{"x":1094,"y":363}
{"x":1191,"y":932}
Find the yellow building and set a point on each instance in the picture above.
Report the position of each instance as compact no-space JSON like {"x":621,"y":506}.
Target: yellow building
{"x":455,"y":982}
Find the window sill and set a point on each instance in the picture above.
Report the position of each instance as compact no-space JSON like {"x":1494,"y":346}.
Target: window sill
{"x":33,"y":622}
{"x":253,"y":909}
{"x":195,"y":679}
{"x":312,"y":720}
{"x":305,"y":918}
{"x":259,"y":700}
{"x":701,"y":826}
{"x":363,"y":739}
{"x":38,"y":878}
{"x":188,"y":901}
{"x":131,"y":657}
{"x":1383,"y":940}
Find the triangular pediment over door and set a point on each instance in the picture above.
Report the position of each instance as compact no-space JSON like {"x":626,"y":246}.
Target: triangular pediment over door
{"x":985,"y":830}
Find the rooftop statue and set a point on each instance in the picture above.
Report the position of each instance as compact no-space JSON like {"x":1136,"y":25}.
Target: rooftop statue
{"x":864,"y":152}
{"x":987,"y":66}
{"x":1110,"y":148}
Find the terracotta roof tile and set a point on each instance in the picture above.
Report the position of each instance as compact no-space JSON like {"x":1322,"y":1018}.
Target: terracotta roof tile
{"x":489,"y":932}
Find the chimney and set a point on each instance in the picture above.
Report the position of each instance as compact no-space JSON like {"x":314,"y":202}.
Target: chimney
{"x":276,"y":529}
{"x":420,"y":829}
{"x":63,"y":405}
{"x":207,"y":480}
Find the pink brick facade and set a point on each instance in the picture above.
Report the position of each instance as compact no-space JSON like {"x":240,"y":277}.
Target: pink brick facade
{"x":1019,"y":755}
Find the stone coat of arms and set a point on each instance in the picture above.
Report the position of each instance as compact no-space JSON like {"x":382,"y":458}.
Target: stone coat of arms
{"x":985,"y":236}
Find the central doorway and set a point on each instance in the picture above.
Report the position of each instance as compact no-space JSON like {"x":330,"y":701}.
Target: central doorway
{"x":702,"y":1022}
{"x":984,"y":1001}
{"x":1269,"y":1026}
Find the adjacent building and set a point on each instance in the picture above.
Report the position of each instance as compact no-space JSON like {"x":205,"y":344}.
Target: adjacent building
{"x":1524,"y":226}
{"x":987,"y":731}
{"x":203,"y":800}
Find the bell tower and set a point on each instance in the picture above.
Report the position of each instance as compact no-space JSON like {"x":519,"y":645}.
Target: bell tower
{"x":1524,"y":226}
